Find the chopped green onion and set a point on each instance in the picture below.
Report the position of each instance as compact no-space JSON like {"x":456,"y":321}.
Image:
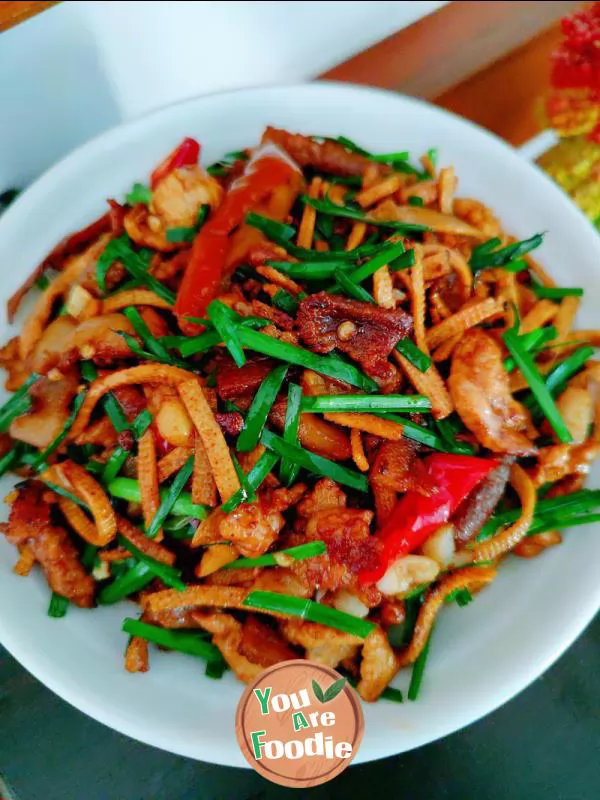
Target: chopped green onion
{"x":311,"y":611}
{"x":227,"y":330}
{"x":19,"y":403}
{"x":567,"y":368}
{"x":254,"y":479}
{"x":42,"y":282}
{"x":215,"y":669}
{"x":168,"y":502}
{"x":143,"y":331}
{"x":115,"y":413}
{"x":248,"y":493}
{"x":349,"y":145}
{"x":390,"y":158}
{"x":141,"y":423}
{"x":120,"y":249}
{"x":288,"y":472}
{"x":128,"y":489}
{"x":58,"y":605}
{"x":539,"y":389}
{"x":362,"y":402}
{"x":416,"y":201}
{"x":418,"y":433}
{"x":327,"y":206}
{"x":325,"y":365}
{"x":315,"y":463}
{"x":571,"y":504}
{"x":432,"y":155}
{"x":449,"y":429}
{"x":352,"y":288}
{"x":386,"y":255}
{"x":484,"y":255}
{"x":114,"y":465}
{"x":286,"y":302}
{"x":308,"y":270}
{"x":138,"y":194}
{"x":411,"y":352}
{"x":300,"y":552}
{"x":128,"y":583}
{"x":559,"y":522}
{"x":193,"y":644}
{"x":40,"y":461}
{"x":10,"y":459}
{"x":88,"y":371}
{"x":169,"y":575}
{"x":460,"y":596}
{"x":392,"y":694}
{"x":555,"y":292}
{"x":259,"y":410}
{"x":532,"y":343}
{"x":416,"y":678}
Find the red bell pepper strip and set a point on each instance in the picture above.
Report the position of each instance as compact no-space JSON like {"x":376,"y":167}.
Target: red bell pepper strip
{"x":415,"y":517}
{"x":268,"y":169}
{"x":185,"y":155}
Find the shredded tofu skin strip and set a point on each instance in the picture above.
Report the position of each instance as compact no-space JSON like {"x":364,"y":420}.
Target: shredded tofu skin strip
{"x":464,"y":319}
{"x":367,"y":423}
{"x":216,"y":447}
{"x":503,"y":542}
{"x":429,"y":383}
{"x":204,"y":488}
{"x":417,"y":291}
{"x":467,"y":578}
{"x":358,"y":451}
{"x":306,"y":230}
{"x":147,"y":471}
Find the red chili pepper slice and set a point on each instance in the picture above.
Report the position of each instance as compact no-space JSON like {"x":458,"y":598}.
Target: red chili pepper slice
{"x":185,"y":155}
{"x":264,"y":172}
{"x":415,"y":517}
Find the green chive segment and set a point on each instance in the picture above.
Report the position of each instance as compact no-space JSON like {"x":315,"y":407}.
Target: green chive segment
{"x":19,"y":403}
{"x":170,"y":498}
{"x":300,"y":552}
{"x":288,"y":471}
{"x":220,"y":316}
{"x":362,"y":402}
{"x":538,"y":387}
{"x":259,"y":410}
{"x":309,"y":610}
{"x":193,"y":644}
{"x":315,"y":463}
{"x":128,"y":489}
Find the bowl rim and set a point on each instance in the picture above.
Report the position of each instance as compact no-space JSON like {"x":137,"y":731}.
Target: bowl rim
{"x":21,"y":648}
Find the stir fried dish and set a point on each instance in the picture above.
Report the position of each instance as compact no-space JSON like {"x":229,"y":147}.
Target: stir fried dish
{"x":292,"y":405}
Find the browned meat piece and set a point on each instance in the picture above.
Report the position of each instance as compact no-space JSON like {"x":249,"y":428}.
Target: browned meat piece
{"x":253,"y":527}
{"x":350,"y":548}
{"x":230,"y":421}
{"x":560,"y":460}
{"x":366,"y":333}
{"x":50,"y":411}
{"x":326,"y":494}
{"x":274,"y":315}
{"x":480,"y":390}
{"x":262,"y":644}
{"x":323,"y":645}
{"x":330,"y":157}
{"x":395,"y":469}
{"x":233,"y":381}
{"x":30,"y":524}
{"x":475,"y":511}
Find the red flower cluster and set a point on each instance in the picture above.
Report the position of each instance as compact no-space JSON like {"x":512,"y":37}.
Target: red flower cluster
{"x":576,"y":62}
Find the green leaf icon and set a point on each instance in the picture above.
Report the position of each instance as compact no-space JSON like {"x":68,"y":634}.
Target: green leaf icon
{"x":318,"y":692}
{"x":334,"y":689}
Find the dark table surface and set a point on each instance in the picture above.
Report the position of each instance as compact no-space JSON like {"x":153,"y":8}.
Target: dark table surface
{"x":543,"y":744}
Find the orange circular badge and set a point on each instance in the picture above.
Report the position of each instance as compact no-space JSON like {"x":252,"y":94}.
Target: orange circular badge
{"x":299,"y":723}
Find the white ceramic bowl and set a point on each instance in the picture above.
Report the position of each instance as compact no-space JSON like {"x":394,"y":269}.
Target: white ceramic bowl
{"x":481,"y":655}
